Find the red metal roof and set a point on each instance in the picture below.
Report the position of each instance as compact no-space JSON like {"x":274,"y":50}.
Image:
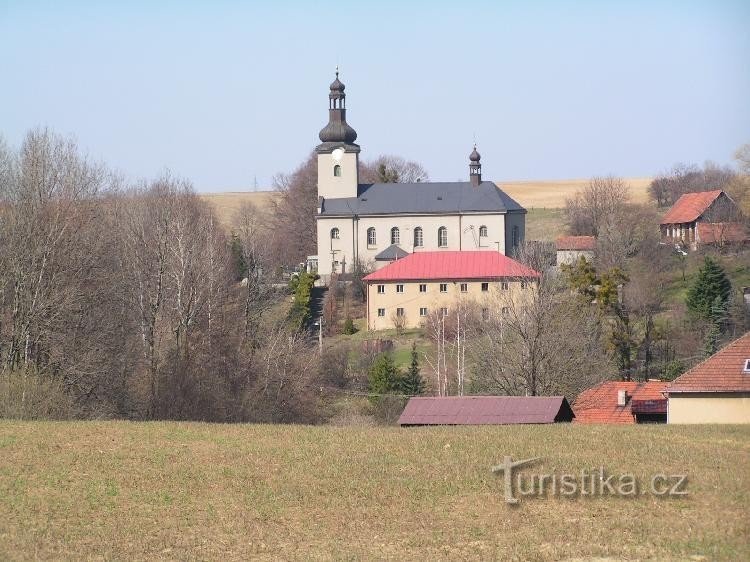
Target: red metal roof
{"x":485,"y":410}
{"x":423,"y":266}
{"x":713,"y":232}
{"x":576,"y":243}
{"x":724,"y":371}
{"x":599,"y":403}
{"x":690,"y":206}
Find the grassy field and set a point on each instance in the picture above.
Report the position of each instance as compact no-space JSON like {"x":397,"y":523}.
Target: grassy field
{"x":118,"y":490}
{"x":544,"y":224}
{"x":531,"y":194}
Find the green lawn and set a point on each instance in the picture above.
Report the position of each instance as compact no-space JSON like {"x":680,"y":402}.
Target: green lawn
{"x":545,"y":224}
{"x":119,"y":490}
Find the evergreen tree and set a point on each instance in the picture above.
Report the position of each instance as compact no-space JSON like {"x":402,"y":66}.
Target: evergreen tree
{"x":710,"y":284}
{"x":384,"y":376}
{"x":711,"y":341}
{"x":412,"y":383}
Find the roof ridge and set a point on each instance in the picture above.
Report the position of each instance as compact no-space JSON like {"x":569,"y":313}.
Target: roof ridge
{"x":707,"y":359}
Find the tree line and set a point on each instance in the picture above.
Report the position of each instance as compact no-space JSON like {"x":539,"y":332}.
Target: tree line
{"x":123,"y":300}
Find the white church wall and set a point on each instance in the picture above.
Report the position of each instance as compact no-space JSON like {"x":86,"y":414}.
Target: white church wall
{"x":463,"y":234}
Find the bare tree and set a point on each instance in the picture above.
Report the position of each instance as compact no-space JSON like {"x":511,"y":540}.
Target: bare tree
{"x":540,"y":341}
{"x":293,"y":228}
{"x":392,"y":169}
{"x":596,"y":206}
{"x":253,"y":249}
{"x":666,"y":188}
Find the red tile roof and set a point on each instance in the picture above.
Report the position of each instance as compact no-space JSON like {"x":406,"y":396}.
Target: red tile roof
{"x":599,"y":403}
{"x":711,"y":233}
{"x":452,"y":265}
{"x":722,"y":372}
{"x":576,"y":243}
{"x":690,"y":206}
{"x":486,"y":410}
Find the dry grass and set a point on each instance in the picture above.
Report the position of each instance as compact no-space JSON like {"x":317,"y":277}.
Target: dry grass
{"x":119,"y":490}
{"x":552,"y":194}
{"x":227,"y":204}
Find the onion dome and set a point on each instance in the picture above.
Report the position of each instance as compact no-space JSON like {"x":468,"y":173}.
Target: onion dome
{"x":337,"y":85}
{"x":474,"y":156}
{"x":337,"y":130}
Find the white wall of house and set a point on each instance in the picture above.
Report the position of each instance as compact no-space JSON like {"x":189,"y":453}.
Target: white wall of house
{"x":569,"y":257}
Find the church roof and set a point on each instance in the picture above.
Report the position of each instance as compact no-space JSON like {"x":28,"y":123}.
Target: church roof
{"x":422,"y":198}
{"x":391,"y":253}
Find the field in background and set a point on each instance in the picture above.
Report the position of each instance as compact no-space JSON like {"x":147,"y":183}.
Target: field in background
{"x":552,"y":194}
{"x":123,"y":490}
{"x":534,"y":195}
{"x":227,"y":204}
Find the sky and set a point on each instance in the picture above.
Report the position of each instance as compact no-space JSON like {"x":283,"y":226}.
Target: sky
{"x":227,"y":94}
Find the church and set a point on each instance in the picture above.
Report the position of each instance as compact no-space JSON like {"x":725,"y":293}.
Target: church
{"x":378,"y":223}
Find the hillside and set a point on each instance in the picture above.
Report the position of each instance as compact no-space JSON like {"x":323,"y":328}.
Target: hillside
{"x":120,"y":490}
{"x":531,"y":194}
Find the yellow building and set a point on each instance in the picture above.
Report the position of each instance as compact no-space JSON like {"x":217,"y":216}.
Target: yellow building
{"x":716,"y":390}
{"x":408,"y":290}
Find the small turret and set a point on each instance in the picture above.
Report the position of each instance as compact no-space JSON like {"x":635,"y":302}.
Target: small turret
{"x":475,"y":168}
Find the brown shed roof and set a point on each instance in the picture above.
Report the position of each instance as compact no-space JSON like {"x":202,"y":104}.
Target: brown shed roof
{"x":724,"y":371}
{"x":690,"y":206}
{"x":576,"y":243}
{"x":598,"y":404}
{"x":486,"y":410}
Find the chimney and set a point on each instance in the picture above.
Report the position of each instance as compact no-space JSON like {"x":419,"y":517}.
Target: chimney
{"x":622,"y":397}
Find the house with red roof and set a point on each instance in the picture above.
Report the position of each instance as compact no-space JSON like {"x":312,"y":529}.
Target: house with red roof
{"x":704,"y":217}
{"x":406,"y":291}
{"x":622,"y":402}
{"x":572,"y":248}
{"x":716,"y":390}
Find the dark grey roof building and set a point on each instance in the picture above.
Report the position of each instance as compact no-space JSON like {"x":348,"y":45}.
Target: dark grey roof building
{"x":422,"y":198}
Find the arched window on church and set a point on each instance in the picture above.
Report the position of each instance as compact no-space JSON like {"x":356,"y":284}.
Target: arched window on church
{"x":371,"y":239}
{"x":395,"y":235}
{"x":483,"y":231}
{"x":442,"y":237}
{"x":337,"y":171}
{"x":516,"y":237}
{"x":334,"y":234}
{"x":418,"y":238}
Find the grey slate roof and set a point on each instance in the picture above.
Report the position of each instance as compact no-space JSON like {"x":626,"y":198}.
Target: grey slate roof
{"x":391,"y":253}
{"x":422,"y":198}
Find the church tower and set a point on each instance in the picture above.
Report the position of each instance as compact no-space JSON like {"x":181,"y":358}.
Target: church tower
{"x":338,"y":156}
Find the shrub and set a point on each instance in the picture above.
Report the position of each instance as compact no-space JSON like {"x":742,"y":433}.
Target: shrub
{"x":349,"y":327}
{"x":27,"y":395}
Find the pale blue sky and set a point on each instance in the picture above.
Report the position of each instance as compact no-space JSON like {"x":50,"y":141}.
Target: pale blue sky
{"x":222,"y":92}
